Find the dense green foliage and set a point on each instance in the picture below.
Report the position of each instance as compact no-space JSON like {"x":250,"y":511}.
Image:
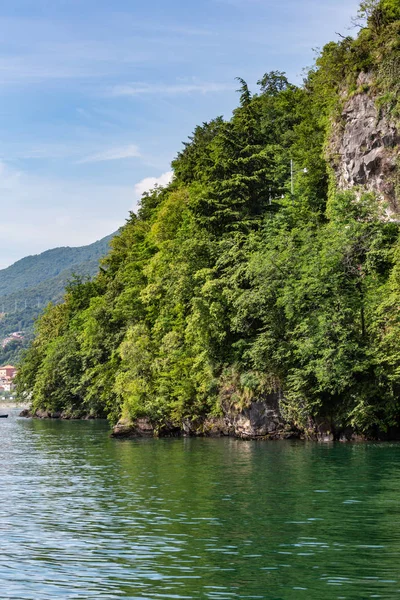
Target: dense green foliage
{"x":226,"y":284}
{"x":11,"y":353}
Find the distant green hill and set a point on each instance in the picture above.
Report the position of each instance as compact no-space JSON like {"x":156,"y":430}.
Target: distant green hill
{"x":28,"y":285}
{"x":33,"y":270}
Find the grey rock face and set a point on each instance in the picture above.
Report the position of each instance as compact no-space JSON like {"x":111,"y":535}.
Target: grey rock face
{"x":364,"y":148}
{"x":142,"y":428}
{"x":260,"y":420}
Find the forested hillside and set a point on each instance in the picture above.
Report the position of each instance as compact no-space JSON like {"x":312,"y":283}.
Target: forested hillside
{"x":255,"y":271}
{"x":27,"y":286}
{"x":31,"y":271}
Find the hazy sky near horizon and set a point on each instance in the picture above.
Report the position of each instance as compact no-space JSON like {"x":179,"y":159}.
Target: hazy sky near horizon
{"x":96,"y":97}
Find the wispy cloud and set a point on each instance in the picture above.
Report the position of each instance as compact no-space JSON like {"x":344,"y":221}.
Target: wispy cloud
{"x":120,"y":153}
{"x":36,"y":51}
{"x":137,"y":89}
{"x":152,"y":26}
{"x":37,"y":68}
{"x":149,"y":183}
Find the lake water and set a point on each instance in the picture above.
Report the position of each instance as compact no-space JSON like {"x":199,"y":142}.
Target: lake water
{"x":86,"y":516}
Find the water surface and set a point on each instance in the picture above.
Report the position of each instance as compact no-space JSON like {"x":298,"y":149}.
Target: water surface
{"x":86,"y":516}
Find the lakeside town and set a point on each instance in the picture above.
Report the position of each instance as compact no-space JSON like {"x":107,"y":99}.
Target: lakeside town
{"x":7,"y":376}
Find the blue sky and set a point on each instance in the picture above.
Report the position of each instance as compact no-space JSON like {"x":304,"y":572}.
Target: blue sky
{"x":96,"y":97}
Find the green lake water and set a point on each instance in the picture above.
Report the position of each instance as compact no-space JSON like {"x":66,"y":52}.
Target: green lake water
{"x":86,"y":516}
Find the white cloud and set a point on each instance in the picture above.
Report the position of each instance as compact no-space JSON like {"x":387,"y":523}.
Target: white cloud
{"x":39,"y":213}
{"x":150,"y":183}
{"x":45,"y":51}
{"x":120,"y":153}
{"x":137,"y":89}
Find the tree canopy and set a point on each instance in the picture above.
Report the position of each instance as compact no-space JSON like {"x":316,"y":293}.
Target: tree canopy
{"x":226,"y":280}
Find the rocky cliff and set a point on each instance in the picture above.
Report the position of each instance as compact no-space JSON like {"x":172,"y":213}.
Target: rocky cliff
{"x":363,"y":151}
{"x":364,"y":148}
{"x":223,"y":288}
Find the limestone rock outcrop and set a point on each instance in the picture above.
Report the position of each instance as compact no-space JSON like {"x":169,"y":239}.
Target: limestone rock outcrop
{"x":365,"y":148}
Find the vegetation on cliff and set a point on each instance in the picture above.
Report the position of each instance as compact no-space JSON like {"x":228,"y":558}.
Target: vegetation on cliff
{"x":239,"y":279}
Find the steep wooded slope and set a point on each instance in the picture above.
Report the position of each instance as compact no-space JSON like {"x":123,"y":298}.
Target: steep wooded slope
{"x":245,"y":280}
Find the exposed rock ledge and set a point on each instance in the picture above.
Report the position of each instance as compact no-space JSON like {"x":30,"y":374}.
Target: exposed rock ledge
{"x":261,"y":420}
{"x":364,"y":147}
{"x":46,"y":414}
{"x":242,"y":426}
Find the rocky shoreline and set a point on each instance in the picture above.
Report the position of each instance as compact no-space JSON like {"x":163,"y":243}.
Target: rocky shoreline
{"x":220,"y":427}
{"x":261,"y":420}
{"x":65,"y":416}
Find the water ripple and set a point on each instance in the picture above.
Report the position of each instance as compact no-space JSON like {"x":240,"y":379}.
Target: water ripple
{"x":85,"y":516}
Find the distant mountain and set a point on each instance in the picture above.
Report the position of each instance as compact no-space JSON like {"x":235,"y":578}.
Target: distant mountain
{"x":28,"y":285}
{"x":29,"y":272}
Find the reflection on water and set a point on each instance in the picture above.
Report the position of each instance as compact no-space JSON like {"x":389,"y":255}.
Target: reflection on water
{"x":85,"y":516}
